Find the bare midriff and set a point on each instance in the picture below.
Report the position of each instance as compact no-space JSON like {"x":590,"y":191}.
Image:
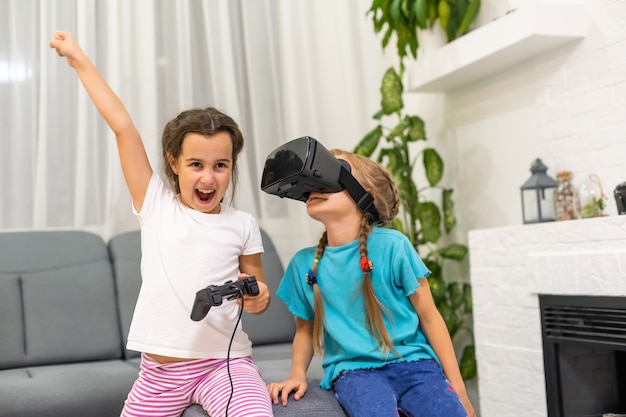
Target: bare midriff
{"x":168,"y":359}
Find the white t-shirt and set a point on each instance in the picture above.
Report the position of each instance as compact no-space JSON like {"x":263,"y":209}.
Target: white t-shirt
{"x":184,"y":251}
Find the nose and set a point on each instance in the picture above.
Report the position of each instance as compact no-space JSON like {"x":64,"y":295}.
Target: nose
{"x":207,"y":177}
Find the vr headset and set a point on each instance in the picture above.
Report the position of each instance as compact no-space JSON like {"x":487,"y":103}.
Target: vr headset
{"x":304,"y":165}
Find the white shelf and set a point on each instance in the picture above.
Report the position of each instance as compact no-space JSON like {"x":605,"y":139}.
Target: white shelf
{"x":512,"y":39}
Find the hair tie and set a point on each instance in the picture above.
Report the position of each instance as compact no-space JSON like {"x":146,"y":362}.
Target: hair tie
{"x":310,"y":278}
{"x":367,"y":265}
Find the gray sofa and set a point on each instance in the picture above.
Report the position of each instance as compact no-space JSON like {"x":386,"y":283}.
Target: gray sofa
{"x":66,"y":300}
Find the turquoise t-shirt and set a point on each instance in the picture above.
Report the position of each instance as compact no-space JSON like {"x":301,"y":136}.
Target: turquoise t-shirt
{"x":347,"y":343}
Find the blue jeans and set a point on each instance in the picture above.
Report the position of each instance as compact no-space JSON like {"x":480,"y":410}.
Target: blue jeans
{"x":416,"y":389}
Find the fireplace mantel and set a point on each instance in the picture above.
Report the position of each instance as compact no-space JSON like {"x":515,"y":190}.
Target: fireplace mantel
{"x":509,"y":268}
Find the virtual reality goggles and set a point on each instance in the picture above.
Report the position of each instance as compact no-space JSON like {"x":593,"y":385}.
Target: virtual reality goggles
{"x":304,"y":165}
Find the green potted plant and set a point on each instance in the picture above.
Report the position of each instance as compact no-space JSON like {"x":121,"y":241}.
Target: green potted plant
{"x":395,"y":142}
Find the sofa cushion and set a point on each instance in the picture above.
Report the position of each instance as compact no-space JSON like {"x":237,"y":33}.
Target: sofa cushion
{"x":94,"y":389}
{"x":316,"y":402}
{"x":125,"y":253}
{"x":56,"y":291}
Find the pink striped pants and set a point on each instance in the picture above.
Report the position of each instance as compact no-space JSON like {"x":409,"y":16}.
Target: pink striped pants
{"x":166,"y":389}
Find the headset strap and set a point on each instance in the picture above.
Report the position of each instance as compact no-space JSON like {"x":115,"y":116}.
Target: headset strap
{"x":363,"y":199}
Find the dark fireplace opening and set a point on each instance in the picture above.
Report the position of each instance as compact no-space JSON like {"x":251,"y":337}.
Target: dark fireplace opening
{"x":584,"y":351}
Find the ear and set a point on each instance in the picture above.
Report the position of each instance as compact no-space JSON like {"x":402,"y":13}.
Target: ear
{"x":173,"y":163}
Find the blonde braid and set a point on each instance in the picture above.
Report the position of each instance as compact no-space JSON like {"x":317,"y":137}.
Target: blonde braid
{"x":374,"y":309}
{"x":318,"y":320}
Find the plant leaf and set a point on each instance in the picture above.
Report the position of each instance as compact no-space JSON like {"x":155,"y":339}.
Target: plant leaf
{"x":369,"y":143}
{"x":394,"y":161}
{"x":469,"y":16}
{"x":433,"y":12}
{"x":408,"y":192}
{"x":450,"y":317}
{"x":437,"y":288}
{"x":386,"y":37}
{"x":434,"y":267}
{"x":398,"y":131}
{"x":430,"y":220}
{"x":455,"y":294}
{"x":395,"y":14}
{"x":402,"y":36}
{"x":405,"y":10}
{"x":378,"y":22}
{"x":443,"y":11}
{"x":468,"y":363}
{"x":376,"y":4}
{"x":391,"y":92}
{"x":413,"y":43}
{"x":447,"y":205}
{"x":398,"y":225}
{"x":420,"y":8}
{"x":433,"y":166}
{"x":454,"y":251}
{"x":416,"y":128}
{"x":468,"y":301}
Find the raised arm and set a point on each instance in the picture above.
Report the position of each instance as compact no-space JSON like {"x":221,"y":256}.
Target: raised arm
{"x":133,"y":157}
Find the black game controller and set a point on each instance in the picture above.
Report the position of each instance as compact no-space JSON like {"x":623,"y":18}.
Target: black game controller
{"x":214,"y":294}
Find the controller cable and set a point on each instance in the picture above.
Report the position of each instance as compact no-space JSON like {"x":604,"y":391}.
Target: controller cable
{"x":232,"y":337}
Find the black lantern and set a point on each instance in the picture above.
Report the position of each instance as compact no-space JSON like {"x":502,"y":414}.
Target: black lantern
{"x":538,"y":195}
{"x":620,"y":198}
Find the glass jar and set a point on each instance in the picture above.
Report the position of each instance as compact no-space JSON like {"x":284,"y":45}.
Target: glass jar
{"x":565,"y":203}
{"x":590,"y":198}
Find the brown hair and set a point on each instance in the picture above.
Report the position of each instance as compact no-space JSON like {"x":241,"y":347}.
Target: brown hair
{"x":374,"y":178}
{"x":206,"y":122}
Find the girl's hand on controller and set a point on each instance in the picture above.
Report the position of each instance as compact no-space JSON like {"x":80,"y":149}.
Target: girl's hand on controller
{"x":255,"y":304}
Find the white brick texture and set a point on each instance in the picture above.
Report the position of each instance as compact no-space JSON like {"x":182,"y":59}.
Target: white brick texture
{"x":509,"y":267}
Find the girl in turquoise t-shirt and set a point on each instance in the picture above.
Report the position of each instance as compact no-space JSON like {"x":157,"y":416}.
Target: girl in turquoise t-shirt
{"x":361,"y":299}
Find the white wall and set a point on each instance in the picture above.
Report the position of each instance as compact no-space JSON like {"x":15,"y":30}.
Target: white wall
{"x":566,"y":106}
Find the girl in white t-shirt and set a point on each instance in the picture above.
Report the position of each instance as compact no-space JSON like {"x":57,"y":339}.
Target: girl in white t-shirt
{"x":190,"y":240}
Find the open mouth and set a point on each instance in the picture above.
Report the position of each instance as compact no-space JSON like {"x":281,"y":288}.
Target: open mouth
{"x":205,"y":195}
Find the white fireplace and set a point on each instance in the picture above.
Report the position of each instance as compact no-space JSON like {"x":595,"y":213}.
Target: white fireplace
{"x":509,"y":268}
